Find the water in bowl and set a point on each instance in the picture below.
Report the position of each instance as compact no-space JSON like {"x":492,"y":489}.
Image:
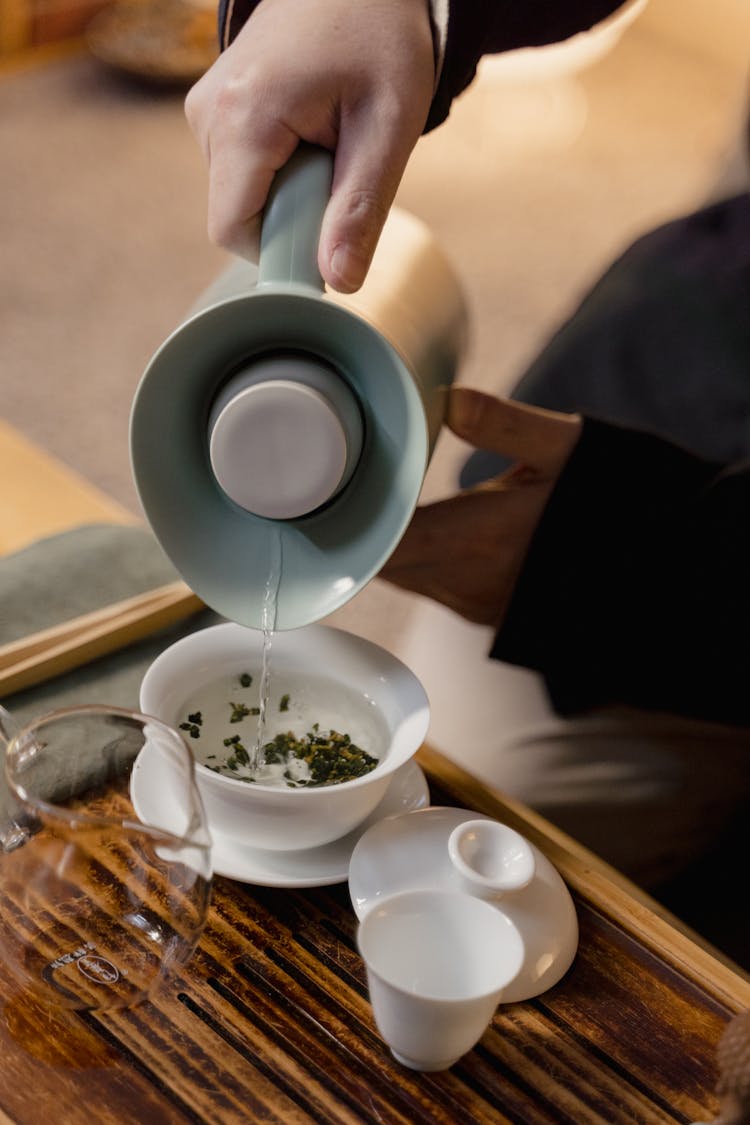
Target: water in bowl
{"x":224,"y":714}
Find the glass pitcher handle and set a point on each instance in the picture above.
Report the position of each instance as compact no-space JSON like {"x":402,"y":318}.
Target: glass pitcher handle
{"x":13,"y":833}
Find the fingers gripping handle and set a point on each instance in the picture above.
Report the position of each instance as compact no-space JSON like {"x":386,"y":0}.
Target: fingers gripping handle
{"x":292,"y":219}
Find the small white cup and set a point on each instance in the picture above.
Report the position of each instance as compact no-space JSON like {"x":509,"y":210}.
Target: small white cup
{"x":490,"y":859}
{"x":437,"y":964}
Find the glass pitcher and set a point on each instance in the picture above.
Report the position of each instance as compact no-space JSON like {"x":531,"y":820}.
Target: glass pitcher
{"x":96,"y":905}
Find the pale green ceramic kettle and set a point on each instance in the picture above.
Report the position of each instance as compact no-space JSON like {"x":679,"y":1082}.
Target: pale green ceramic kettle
{"x":285,"y":431}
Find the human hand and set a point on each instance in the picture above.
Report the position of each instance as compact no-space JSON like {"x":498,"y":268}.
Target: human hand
{"x":468,"y":551}
{"x":356,"y":79}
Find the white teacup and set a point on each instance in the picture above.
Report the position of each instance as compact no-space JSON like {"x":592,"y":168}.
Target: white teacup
{"x":437,"y":964}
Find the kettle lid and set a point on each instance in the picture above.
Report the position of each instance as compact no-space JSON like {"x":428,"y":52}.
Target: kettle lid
{"x":285,"y":436}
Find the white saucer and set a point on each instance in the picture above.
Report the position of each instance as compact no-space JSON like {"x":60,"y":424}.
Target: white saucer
{"x":309,"y":867}
{"x":410,"y":851}
{"x":316,"y":867}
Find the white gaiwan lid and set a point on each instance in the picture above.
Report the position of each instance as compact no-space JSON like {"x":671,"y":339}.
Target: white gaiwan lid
{"x":410,"y":851}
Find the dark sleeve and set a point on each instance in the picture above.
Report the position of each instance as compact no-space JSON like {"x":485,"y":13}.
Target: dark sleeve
{"x":487,"y":27}
{"x":665,"y":328}
{"x":475,"y":28}
{"x":635,"y":587}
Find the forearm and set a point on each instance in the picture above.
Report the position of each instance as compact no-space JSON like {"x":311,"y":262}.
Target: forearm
{"x":634,"y":590}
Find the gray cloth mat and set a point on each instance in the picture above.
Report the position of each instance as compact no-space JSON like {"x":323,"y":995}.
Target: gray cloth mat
{"x":56,"y":579}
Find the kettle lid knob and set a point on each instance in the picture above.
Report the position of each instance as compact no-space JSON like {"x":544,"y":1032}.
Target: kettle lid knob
{"x":285,"y":436}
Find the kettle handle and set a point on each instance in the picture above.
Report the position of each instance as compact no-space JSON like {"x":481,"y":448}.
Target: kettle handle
{"x":290,"y":230}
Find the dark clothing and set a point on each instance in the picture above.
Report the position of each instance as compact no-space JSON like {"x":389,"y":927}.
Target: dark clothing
{"x":635,"y":589}
{"x":662,"y":342}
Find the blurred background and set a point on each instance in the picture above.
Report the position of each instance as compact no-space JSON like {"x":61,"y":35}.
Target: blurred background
{"x":547,"y":169}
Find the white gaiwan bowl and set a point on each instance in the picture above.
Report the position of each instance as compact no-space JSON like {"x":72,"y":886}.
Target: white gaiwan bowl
{"x":280,"y":818}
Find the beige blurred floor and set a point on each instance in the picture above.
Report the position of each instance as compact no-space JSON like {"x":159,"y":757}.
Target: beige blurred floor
{"x":531,"y":188}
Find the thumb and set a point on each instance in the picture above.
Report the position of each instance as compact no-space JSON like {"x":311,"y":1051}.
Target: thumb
{"x":539,"y":438}
{"x":365,"y":181}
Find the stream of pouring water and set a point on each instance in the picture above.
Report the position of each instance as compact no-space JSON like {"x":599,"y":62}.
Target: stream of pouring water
{"x":268,"y":623}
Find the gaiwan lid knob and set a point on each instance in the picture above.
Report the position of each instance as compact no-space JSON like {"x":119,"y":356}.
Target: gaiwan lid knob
{"x":285,"y":435}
